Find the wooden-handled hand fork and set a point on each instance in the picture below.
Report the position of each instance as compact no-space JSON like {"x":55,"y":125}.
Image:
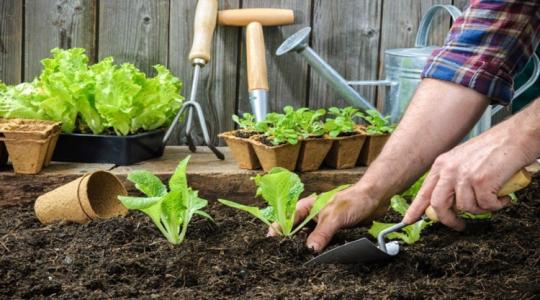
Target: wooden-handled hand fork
{"x":200,"y":54}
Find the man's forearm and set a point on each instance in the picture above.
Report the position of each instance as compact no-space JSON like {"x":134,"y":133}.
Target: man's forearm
{"x":439,"y":116}
{"x":525,"y":128}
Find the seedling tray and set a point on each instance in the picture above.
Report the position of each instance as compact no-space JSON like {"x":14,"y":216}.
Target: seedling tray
{"x":119,"y":150}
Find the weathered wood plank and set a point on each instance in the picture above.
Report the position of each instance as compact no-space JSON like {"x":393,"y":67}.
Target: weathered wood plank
{"x":212,"y":177}
{"x":134,"y":31}
{"x":346,"y":34}
{"x":217,"y":84}
{"x":400,"y":20}
{"x":287,"y":75}
{"x":11,"y":27}
{"x":56,"y":23}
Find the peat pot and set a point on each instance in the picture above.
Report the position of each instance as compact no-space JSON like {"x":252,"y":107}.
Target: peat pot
{"x":241,"y":149}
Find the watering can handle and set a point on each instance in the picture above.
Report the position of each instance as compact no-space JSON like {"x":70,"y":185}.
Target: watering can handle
{"x":427,"y":19}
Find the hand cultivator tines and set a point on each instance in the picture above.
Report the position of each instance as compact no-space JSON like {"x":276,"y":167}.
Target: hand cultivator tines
{"x":205,"y":23}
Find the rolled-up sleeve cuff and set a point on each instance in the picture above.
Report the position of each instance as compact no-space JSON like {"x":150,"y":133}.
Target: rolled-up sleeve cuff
{"x":460,"y":67}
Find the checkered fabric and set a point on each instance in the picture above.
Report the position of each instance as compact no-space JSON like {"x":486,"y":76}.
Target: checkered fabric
{"x":488,"y":46}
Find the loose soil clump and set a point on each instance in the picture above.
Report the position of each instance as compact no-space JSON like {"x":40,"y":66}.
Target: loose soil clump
{"x":128,"y":258}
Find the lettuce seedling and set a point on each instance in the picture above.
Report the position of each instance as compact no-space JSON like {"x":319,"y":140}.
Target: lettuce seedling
{"x":342,"y":121}
{"x":308,"y":122}
{"x":281,"y":189}
{"x":377,"y":124}
{"x":246,"y":122}
{"x":411,"y":234}
{"x":171,"y":210}
{"x":281,"y":128}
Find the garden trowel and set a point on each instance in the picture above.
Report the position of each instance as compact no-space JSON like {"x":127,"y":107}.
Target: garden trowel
{"x":363,"y":250}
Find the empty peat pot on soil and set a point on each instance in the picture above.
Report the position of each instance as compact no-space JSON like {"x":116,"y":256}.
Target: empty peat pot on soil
{"x":119,"y":150}
{"x":30,"y":143}
{"x":92,"y":196}
{"x":241,"y":148}
{"x":312,"y":153}
{"x":372,"y":148}
{"x":345,"y":150}
{"x":284,"y":155}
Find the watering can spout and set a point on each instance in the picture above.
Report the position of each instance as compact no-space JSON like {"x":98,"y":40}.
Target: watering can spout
{"x":298,"y":43}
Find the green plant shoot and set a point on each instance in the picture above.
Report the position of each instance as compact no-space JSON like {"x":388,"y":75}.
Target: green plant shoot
{"x":342,"y":121}
{"x":377,"y":124}
{"x":281,"y":189}
{"x":246,"y":122}
{"x":171,"y":211}
{"x":308,"y":122}
{"x":282,"y":128}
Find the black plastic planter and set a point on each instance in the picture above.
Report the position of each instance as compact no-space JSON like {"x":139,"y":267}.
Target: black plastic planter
{"x":119,"y":150}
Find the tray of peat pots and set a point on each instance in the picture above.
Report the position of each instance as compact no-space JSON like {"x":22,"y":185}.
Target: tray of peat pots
{"x":314,"y":146}
{"x":278,"y":145}
{"x":239,"y":142}
{"x":378,"y":131}
{"x":347,"y":137}
{"x":109,"y":113}
{"x":29,"y":143}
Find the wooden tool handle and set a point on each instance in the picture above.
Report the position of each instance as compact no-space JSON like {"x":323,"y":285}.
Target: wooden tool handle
{"x":204,"y":26}
{"x":256,"y":57}
{"x":265,"y":16}
{"x":518,"y":181}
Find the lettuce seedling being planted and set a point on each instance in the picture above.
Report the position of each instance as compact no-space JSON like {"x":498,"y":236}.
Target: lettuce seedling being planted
{"x":281,"y":189}
{"x":170,"y":210}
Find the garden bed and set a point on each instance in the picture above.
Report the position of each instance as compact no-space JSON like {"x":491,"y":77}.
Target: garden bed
{"x":128,"y":257}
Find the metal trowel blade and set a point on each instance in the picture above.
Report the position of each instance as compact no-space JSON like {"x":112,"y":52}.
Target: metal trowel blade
{"x":359,"y":251}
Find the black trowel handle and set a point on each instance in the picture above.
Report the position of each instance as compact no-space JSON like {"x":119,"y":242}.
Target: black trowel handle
{"x":204,"y":26}
{"x":518,"y":181}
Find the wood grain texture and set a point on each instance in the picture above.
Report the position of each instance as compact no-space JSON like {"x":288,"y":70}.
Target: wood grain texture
{"x":346,"y":34}
{"x":288,"y":74}
{"x":11,"y":27}
{"x":134,"y":31}
{"x":461,"y":4}
{"x":57,"y":23}
{"x":217,"y":83}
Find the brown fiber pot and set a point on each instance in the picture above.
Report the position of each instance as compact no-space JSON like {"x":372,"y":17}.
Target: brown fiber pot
{"x":312,"y":153}
{"x":28,"y":143}
{"x":93,"y":196}
{"x":242,"y":151}
{"x":372,"y":148}
{"x":345,"y":151}
{"x":284,"y":156}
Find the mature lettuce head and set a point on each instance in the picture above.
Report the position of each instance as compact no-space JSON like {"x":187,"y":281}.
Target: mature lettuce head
{"x":100,"y":98}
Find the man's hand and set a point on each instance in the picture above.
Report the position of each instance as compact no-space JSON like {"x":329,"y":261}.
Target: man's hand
{"x":468,"y":177}
{"x":348,"y":208}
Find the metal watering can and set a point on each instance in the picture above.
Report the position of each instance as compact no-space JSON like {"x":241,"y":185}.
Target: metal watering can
{"x":403,"y":68}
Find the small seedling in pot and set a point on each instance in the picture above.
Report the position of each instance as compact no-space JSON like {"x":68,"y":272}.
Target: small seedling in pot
{"x":342,"y":122}
{"x":248,"y":126}
{"x":281,"y":128}
{"x":377,"y":124}
{"x":281,"y":189}
{"x":171,"y":211}
{"x":308,"y":122}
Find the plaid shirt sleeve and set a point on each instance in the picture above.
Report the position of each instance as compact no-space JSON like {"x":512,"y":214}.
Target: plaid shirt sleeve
{"x":488,"y":46}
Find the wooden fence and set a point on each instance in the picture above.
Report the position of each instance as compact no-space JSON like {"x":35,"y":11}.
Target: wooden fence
{"x":350,"y":34}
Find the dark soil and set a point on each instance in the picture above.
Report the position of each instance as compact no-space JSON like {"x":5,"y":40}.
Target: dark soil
{"x":128,"y":258}
{"x":267,"y":141}
{"x":243,"y":134}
